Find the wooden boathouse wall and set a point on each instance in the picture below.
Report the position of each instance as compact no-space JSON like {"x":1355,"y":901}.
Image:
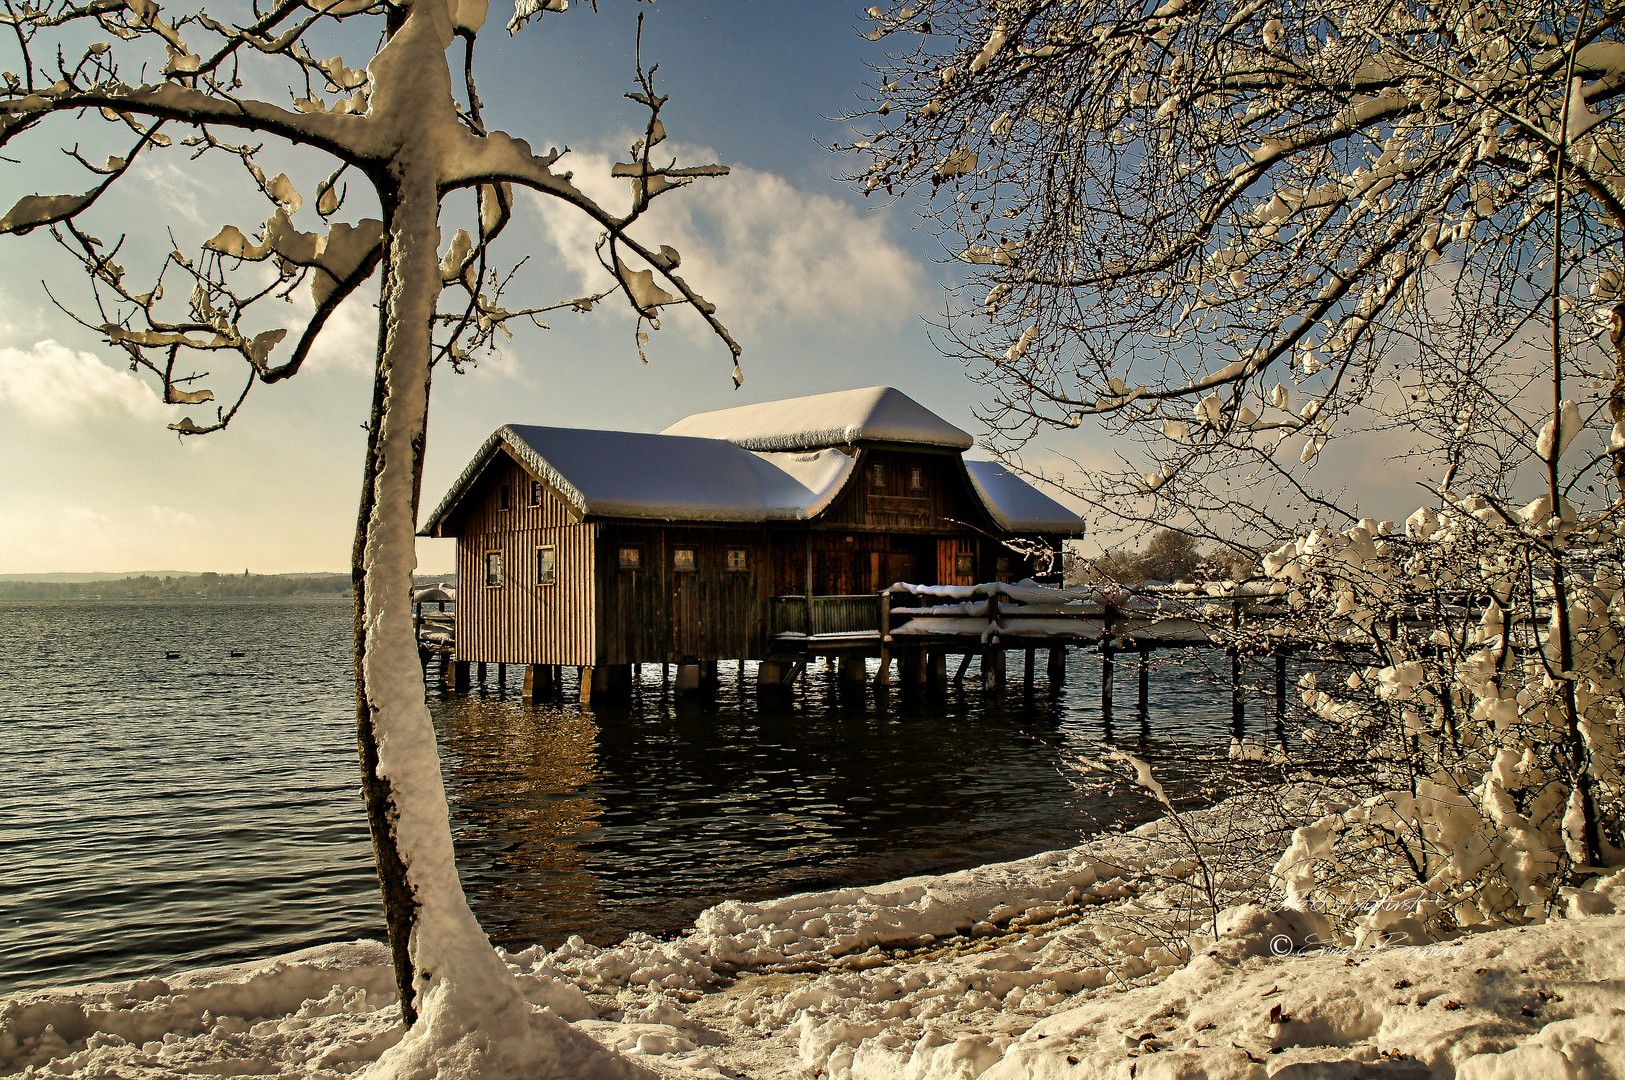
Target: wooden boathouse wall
{"x":522,"y":621}
{"x":658,"y":612}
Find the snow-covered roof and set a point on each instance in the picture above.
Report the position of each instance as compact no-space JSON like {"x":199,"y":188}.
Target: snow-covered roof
{"x":1018,"y":506}
{"x":843,"y":418}
{"x":627,"y":474}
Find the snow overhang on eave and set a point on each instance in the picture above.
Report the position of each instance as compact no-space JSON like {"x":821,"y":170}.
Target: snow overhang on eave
{"x":1017,"y":506}
{"x":502,"y":438}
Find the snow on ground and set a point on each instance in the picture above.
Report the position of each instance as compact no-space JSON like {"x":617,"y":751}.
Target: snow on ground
{"x":1067,"y":964}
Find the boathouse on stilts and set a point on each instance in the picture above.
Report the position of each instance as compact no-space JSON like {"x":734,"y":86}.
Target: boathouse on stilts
{"x":767,"y":532}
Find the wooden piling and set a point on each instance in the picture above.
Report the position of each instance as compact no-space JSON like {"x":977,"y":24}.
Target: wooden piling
{"x":1145,"y":685}
{"x":502,"y":677}
{"x":1057,"y":666}
{"x":964,"y":665}
{"x":993,"y":668}
{"x":1027,"y":673}
{"x":852,"y":672}
{"x":479,"y":676}
{"x":936,"y":672}
{"x":459,"y":676}
{"x":1107,"y":674}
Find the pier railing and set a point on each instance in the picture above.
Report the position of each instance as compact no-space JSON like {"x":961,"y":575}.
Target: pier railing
{"x":824,"y":616}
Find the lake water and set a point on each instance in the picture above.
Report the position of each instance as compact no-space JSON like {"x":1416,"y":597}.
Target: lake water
{"x":160,"y":814}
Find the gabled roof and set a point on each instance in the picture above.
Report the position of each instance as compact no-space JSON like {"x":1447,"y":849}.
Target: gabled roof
{"x":844,"y":418}
{"x":628,"y":474}
{"x":1016,"y":505}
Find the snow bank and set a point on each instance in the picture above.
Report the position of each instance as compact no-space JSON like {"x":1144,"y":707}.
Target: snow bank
{"x":1070,"y":963}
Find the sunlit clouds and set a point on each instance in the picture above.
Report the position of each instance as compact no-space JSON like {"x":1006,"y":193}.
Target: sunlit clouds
{"x":53,"y":385}
{"x":765,"y":252}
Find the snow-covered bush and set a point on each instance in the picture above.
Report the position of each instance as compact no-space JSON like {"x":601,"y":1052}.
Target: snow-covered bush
{"x":1484,"y":652}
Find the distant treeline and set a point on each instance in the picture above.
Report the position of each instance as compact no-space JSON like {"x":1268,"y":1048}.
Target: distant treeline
{"x":147,"y":587}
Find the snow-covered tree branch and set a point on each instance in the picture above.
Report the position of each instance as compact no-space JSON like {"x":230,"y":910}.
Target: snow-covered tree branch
{"x":126,"y":80}
{"x":1243,"y":236}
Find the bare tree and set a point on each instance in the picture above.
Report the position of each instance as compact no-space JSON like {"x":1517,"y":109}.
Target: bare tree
{"x":1235,"y":232}
{"x":1240,"y":234}
{"x":402,"y":136}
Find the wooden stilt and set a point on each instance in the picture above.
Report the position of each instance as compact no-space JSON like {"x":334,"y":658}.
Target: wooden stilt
{"x":535,"y":682}
{"x":479,"y":676}
{"x":502,"y":677}
{"x":688,"y":678}
{"x":459,"y":676}
{"x":964,"y":665}
{"x":993,"y":668}
{"x":936,"y":672}
{"x":1145,"y":685}
{"x":1057,"y":666}
{"x":911,"y":668}
{"x":1027,"y":671}
{"x":852,"y":672}
{"x":1238,"y":703}
{"x":1107,"y":677}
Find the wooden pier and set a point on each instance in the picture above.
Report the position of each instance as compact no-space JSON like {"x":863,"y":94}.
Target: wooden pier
{"x":924,"y":639}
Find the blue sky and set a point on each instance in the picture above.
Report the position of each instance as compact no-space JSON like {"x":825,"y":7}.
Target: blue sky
{"x":824,"y":290}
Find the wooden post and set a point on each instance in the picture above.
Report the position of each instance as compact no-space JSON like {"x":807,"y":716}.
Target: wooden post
{"x":1057,"y":666}
{"x":852,"y":672}
{"x":936,"y":671}
{"x":1238,"y":703}
{"x":883,"y":673}
{"x":584,"y":687}
{"x":480,"y":675}
{"x":459,"y":676}
{"x":709,"y":679}
{"x":1027,"y":674}
{"x":1280,"y":688}
{"x":993,"y":668}
{"x":911,"y":668}
{"x":665,"y":677}
{"x":1107,"y":675}
{"x":964,"y":665}
{"x":502,"y":677}
{"x":1145,"y":685}
{"x":688,"y":678}
{"x":445,"y":670}
{"x":535,"y":680}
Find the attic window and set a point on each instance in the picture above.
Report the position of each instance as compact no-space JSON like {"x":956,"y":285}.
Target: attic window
{"x":631,"y":558}
{"x":877,"y":478}
{"x":916,"y":478}
{"x":545,"y":573}
{"x":738,"y":559}
{"x":535,"y":493}
{"x":965,"y":564}
{"x":493,"y":569}
{"x":682,"y":558}
{"x":505,"y":497}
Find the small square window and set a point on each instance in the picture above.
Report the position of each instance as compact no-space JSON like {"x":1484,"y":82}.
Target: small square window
{"x":493,"y":569}
{"x":877,"y":478}
{"x":535,"y":493}
{"x":965,"y":564}
{"x":631,"y":558}
{"x":544,"y":565}
{"x":682,"y":558}
{"x":738,"y":559}
{"x":505,"y":497}
{"x":1002,"y":564}
{"x":916,"y":478}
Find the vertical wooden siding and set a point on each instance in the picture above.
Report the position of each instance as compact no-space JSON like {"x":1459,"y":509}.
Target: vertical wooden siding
{"x":521,"y":621}
{"x":659,"y":614}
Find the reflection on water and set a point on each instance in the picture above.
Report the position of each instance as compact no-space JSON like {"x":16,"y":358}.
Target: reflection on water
{"x":636,"y":818}
{"x":163,"y":813}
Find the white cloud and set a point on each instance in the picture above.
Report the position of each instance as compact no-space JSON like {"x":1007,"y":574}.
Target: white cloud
{"x":766,"y":253}
{"x":53,"y":385}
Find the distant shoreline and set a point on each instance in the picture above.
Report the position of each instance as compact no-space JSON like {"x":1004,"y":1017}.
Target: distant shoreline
{"x":204,"y":586}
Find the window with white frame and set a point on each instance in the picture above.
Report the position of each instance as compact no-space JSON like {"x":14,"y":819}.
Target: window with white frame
{"x":493,"y":569}
{"x":544,"y":565}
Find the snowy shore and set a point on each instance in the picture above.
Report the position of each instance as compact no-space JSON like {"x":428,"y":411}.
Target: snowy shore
{"x":1097,"y":961}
